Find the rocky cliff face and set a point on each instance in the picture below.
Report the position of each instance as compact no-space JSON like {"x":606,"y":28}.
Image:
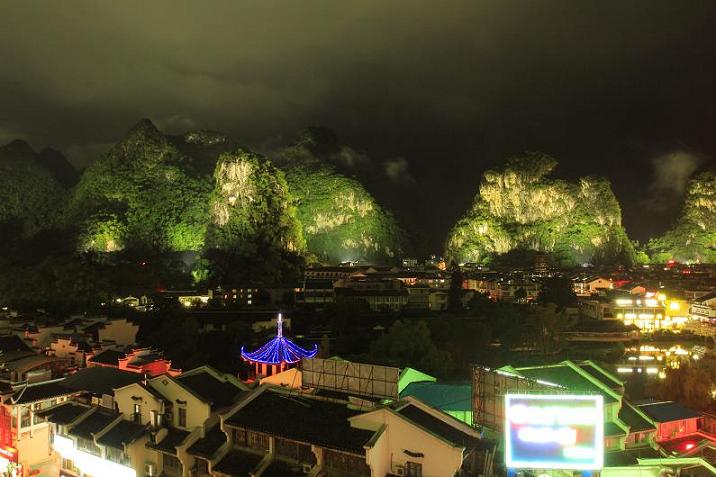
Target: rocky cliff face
{"x":693,"y":236}
{"x":251,"y":202}
{"x":519,"y":206}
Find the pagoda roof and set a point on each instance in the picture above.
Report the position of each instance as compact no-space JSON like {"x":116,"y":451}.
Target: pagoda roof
{"x":279,"y":350}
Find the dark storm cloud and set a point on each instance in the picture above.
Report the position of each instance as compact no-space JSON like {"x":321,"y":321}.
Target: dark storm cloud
{"x":450,"y":86}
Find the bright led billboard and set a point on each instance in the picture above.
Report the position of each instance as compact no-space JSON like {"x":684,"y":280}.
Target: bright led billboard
{"x":554,"y":432}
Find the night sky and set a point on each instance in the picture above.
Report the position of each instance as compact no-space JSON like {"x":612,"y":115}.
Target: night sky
{"x":432,"y":92}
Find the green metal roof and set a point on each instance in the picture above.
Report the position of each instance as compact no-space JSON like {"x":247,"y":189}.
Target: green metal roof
{"x":446,"y":397}
{"x":410,"y":375}
{"x":569,"y":377}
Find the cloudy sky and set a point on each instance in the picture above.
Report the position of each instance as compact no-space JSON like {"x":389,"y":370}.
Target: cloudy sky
{"x":432,"y":92}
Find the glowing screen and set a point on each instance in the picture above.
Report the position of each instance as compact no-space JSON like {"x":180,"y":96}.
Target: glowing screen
{"x":554,"y":432}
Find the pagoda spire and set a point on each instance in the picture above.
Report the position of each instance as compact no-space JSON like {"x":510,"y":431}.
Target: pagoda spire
{"x":279,"y":326}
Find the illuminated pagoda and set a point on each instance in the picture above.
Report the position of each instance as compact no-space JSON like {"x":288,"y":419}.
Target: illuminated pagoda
{"x":278,"y":354}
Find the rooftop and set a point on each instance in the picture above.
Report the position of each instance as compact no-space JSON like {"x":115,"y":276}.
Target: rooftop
{"x":63,"y":414}
{"x":666,"y":411}
{"x":93,"y":423}
{"x":237,"y":463}
{"x":307,"y":420}
{"x":208,"y":445}
{"x":41,"y":391}
{"x":124,"y":432}
{"x":170,"y":442}
{"x":109,"y":357}
{"x":210,"y":389}
{"x":101,"y":380}
{"x":438,"y":427}
{"x":569,"y":377}
{"x":452,"y":397}
{"x":629,"y":415}
{"x":279,"y":350}
{"x":12,"y":343}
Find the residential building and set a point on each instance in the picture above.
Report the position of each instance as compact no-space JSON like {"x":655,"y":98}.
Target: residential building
{"x":273,"y":431}
{"x":704,"y":308}
{"x":147,"y":430}
{"x":24,"y":433}
{"x":589,"y":285}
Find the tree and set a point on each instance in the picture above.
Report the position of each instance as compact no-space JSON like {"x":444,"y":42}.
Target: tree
{"x":408,"y":343}
{"x":557,"y":291}
{"x":547,"y":323}
{"x":689,"y":384}
{"x":456,"y":291}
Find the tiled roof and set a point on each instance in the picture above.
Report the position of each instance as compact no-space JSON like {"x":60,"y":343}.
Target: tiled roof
{"x":633,"y":419}
{"x":63,"y":414}
{"x":41,"y":392}
{"x":109,"y":356}
{"x":666,"y":411}
{"x":208,"y":445}
{"x":170,"y":442}
{"x":12,"y":343}
{"x":210,"y":389}
{"x":278,"y":468}
{"x":237,"y":463}
{"x":438,"y":427}
{"x":101,"y":380}
{"x":124,"y":432}
{"x":93,"y":423}
{"x":307,"y":420}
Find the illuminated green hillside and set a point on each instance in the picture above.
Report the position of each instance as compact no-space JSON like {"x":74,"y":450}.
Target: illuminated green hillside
{"x":341,"y":220}
{"x":143,"y":194}
{"x":693,"y":237}
{"x":29,"y":192}
{"x":519,"y":206}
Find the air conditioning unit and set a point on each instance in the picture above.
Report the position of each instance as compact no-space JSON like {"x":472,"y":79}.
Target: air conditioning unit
{"x":399,"y":470}
{"x":306,"y":468}
{"x":150,"y":469}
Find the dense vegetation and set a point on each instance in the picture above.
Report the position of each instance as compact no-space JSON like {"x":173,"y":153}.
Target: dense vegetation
{"x":157,"y":210}
{"x":519,"y":206}
{"x":31,"y":197}
{"x":144,"y":194}
{"x":341,"y":220}
{"x":693,"y":237}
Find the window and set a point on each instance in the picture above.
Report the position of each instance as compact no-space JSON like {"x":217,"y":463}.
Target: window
{"x":182,"y":417}
{"x":67,"y":464}
{"x":25,"y":413}
{"x":172,"y":465}
{"x":258,"y":441}
{"x":413,"y":469}
{"x":137,"y":413}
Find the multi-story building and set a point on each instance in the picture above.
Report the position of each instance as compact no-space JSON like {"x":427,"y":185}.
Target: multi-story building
{"x":704,"y":308}
{"x":589,"y":285}
{"x":504,"y":288}
{"x":271,"y":432}
{"x":24,"y":433}
{"x":147,"y":430}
